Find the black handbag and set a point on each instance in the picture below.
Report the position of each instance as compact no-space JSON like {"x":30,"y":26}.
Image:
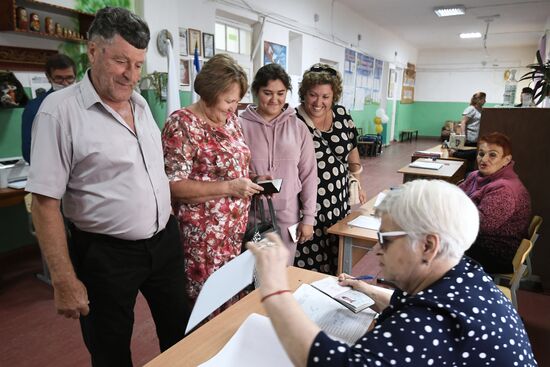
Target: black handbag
{"x":258,"y":228}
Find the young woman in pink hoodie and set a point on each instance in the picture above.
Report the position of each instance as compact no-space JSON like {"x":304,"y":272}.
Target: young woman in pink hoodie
{"x":282,"y":147}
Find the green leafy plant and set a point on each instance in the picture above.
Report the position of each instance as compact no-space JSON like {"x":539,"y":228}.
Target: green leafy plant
{"x":156,"y":81}
{"x":540,"y":74}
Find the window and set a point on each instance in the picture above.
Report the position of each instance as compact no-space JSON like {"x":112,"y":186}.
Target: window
{"x":233,"y":38}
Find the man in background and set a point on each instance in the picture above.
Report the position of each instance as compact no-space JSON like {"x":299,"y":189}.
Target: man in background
{"x":97,"y":147}
{"x":61,"y":72}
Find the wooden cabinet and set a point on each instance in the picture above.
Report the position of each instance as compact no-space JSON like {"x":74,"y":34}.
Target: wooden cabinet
{"x":78,"y":22}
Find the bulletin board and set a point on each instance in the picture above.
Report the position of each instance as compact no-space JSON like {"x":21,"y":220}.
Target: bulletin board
{"x":409,"y":77}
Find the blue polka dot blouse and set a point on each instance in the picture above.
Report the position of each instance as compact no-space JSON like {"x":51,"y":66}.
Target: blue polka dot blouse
{"x":460,"y":320}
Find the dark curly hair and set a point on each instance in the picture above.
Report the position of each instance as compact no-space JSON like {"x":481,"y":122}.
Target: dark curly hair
{"x":267,"y":73}
{"x":110,"y":21}
{"x":320,"y":74}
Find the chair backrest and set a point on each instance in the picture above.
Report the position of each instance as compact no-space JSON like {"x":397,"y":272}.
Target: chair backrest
{"x":534,"y":227}
{"x":521,"y":254}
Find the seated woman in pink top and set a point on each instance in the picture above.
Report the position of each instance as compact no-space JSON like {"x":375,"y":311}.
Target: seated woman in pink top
{"x":282,"y":147}
{"x":503,"y":202}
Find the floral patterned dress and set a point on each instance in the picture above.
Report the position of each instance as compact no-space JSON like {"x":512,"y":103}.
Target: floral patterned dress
{"x":211,"y":232}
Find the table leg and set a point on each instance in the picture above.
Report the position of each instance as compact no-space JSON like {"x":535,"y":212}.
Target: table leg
{"x":346,"y":266}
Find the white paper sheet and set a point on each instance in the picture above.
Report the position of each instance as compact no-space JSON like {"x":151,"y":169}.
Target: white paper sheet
{"x":223,"y":284}
{"x":292,"y":231}
{"x":425,"y":165}
{"x":254,"y":344}
{"x":381,"y":196}
{"x":366,"y":221}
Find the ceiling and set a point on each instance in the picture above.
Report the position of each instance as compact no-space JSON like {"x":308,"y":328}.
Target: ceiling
{"x":520,"y":22}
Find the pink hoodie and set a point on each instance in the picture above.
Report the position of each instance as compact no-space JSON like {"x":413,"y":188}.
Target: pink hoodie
{"x":283,"y":148}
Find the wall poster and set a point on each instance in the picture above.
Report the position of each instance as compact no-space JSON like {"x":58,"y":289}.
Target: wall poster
{"x":274,"y":53}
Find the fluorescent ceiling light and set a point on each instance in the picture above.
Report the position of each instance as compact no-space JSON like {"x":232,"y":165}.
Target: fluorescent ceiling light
{"x":470,"y":35}
{"x":449,"y":11}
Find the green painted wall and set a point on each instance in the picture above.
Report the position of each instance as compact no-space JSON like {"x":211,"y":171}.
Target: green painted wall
{"x":428,"y":117}
{"x":158,"y":109}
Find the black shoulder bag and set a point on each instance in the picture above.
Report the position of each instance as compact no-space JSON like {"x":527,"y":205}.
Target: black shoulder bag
{"x":257,"y":229}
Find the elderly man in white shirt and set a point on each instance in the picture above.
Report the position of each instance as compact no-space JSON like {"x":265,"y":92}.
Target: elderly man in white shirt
{"x":97,"y":147}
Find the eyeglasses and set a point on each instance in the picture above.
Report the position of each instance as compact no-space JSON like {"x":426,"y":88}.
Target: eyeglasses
{"x":61,"y":79}
{"x":323,"y":69}
{"x":381,"y":236}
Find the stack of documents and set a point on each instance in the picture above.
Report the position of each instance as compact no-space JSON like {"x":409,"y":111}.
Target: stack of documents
{"x":366,"y":221}
{"x":426,"y":165}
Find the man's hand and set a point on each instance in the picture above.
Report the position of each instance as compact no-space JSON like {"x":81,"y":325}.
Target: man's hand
{"x":71,"y":298}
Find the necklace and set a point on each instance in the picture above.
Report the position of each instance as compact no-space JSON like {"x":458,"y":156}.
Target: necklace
{"x":326,"y":123}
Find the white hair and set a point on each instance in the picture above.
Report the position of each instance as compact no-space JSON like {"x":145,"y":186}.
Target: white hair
{"x":423,"y":207}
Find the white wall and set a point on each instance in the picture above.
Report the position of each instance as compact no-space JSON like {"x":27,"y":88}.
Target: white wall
{"x":454,"y":75}
{"x":326,"y":38}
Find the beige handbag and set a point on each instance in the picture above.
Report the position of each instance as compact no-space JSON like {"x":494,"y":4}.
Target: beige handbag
{"x":354,"y":186}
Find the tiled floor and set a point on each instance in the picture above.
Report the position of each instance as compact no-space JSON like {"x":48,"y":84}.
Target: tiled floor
{"x":32,"y":334}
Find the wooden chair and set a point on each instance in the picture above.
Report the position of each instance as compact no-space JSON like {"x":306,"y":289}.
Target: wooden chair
{"x":534,"y":227}
{"x":519,"y":269}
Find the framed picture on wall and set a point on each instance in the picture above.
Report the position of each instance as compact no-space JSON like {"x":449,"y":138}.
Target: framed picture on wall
{"x":208,"y":45}
{"x":183,"y":41}
{"x":274,"y":53}
{"x":195,"y":41}
{"x":184,"y":71}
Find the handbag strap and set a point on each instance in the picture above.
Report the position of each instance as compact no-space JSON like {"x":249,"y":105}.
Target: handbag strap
{"x":272,"y":214}
{"x":262,"y":212}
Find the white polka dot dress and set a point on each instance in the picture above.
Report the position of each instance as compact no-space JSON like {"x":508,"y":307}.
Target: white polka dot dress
{"x":321,"y":253}
{"x":460,"y":320}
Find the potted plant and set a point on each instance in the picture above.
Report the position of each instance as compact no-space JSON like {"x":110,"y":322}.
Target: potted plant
{"x":540,"y":74}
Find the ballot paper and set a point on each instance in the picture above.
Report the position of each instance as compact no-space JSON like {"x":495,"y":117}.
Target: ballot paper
{"x":292,"y":230}
{"x":381,"y":196}
{"x":223,"y":284}
{"x":366,"y":221}
{"x":256,"y":344}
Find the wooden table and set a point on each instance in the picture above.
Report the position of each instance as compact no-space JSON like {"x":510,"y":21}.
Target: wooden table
{"x":354,"y":242}
{"x":9,"y":197}
{"x":209,"y":339}
{"x":452,"y":171}
{"x":442,"y":152}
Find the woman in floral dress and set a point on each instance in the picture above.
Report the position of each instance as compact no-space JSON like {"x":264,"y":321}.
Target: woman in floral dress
{"x":207,"y":161}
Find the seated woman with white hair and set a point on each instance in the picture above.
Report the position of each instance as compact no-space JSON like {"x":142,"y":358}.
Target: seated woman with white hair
{"x":445,"y":310}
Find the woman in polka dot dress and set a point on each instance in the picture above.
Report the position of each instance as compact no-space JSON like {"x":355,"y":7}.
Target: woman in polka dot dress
{"x":335,"y":141}
{"x":446,"y":311}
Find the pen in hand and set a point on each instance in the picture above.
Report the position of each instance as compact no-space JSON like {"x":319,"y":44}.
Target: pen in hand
{"x":370,"y":277}
{"x":364,"y":277}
